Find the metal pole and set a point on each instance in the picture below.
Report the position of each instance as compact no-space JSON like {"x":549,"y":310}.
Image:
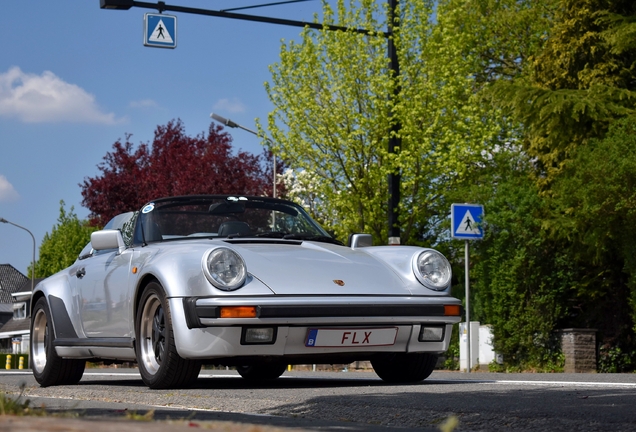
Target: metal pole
{"x":274,"y":166}
{"x":468,"y":362}
{"x":162,"y":7}
{"x":229,"y":123}
{"x":2,"y":220}
{"x":395,"y":141}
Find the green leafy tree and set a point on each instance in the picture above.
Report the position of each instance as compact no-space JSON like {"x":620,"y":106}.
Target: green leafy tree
{"x":504,"y":35}
{"x":521,"y":278}
{"x":582,"y":80}
{"x":335,"y":103}
{"x":595,"y":206}
{"x":496,"y":99}
{"x":331,"y":98}
{"x":558,"y":248}
{"x":576,"y":249}
{"x":60,"y":247}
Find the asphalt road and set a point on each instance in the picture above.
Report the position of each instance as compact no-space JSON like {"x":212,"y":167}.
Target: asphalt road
{"x":351,"y":401}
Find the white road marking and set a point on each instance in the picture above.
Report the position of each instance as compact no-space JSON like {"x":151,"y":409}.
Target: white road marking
{"x":429,"y":381}
{"x":537,"y":383}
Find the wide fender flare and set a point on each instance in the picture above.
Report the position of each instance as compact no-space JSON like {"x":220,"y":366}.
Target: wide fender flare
{"x":63,"y":304}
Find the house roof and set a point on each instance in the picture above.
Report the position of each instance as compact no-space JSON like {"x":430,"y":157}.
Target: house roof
{"x":11,"y":280}
{"x":13,"y":326}
{"x":26,"y":285}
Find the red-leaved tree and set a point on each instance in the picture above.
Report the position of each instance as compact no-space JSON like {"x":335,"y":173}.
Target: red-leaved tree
{"x":174,"y":164}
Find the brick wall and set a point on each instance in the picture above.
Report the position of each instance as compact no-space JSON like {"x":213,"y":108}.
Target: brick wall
{"x":579,"y":348}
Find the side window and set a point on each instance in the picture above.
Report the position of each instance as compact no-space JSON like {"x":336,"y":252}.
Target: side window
{"x":137,"y":234}
{"x":87,"y":252}
{"x":125,"y":223}
{"x":128,"y":229}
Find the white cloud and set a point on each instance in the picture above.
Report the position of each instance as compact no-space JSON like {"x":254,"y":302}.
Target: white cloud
{"x":232,"y":106}
{"x":47,"y":98}
{"x":7,"y":191}
{"x":143,"y":103}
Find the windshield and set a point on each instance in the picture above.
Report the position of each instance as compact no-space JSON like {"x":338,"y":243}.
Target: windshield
{"x":225,"y":217}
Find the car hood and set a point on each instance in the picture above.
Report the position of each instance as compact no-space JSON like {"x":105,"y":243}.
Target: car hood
{"x":317,"y":269}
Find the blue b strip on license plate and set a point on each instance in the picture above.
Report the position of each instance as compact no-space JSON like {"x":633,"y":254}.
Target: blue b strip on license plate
{"x":311,"y":337}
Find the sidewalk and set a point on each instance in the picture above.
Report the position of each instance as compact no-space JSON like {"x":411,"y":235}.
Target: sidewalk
{"x":57,"y":424}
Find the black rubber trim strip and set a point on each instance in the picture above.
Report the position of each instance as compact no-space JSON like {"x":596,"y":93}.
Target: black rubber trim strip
{"x":194,"y":313}
{"x":190,"y":312}
{"x":329,"y":311}
{"x":263,"y":241}
{"x":208,"y":311}
{"x":95,"y":342}
{"x":61,"y":320}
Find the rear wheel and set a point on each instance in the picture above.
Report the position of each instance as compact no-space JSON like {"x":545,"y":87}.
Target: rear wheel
{"x":48,"y":368}
{"x":159,"y":363}
{"x":261,"y":372}
{"x":404,"y":367}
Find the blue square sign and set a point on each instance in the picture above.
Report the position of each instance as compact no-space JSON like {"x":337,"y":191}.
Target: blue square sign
{"x":466,"y":221}
{"x":160,"y":30}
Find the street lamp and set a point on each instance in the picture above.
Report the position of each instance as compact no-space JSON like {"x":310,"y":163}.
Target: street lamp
{"x":230,"y":123}
{"x":3,"y":220}
{"x":116,"y":4}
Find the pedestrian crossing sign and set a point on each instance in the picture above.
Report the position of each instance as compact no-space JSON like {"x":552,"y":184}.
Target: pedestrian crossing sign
{"x":160,"y":30}
{"x":466,"y":221}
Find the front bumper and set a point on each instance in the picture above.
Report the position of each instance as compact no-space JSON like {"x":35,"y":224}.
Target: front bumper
{"x":200,"y":332}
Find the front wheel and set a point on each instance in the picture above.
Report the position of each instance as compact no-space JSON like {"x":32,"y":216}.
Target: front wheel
{"x":404,"y":367}
{"x":261,"y":372}
{"x":159,"y":363}
{"x":48,"y":368}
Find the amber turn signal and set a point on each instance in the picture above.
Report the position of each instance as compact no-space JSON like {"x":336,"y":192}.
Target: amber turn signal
{"x":452,"y":310}
{"x":238,"y":312}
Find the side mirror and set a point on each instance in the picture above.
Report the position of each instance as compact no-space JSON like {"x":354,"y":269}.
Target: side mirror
{"x":107,"y":239}
{"x":360,"y":240}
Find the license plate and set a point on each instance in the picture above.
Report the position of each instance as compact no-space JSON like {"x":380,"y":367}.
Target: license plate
{"x":348,"y":337}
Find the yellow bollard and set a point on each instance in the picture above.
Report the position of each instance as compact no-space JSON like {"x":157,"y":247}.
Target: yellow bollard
{"x":8,"y":364}
{"x":21,"y":363}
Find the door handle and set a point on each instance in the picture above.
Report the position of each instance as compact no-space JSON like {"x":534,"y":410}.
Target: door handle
{"x":80,"y":273}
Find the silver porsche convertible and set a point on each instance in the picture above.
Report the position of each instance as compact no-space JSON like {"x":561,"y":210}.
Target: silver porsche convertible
{"x":248,"y":282}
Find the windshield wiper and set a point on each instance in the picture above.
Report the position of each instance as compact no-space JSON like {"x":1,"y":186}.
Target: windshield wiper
{"x":290,"y":236}
{"x":318,"y":238}
{"x":270,"y":234}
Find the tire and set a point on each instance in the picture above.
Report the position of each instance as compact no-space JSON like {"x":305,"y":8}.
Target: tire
{"x":160,"y":365}
{"x":49,"y":369}
{"x":262,"y":372}
{"x":404,"y":368}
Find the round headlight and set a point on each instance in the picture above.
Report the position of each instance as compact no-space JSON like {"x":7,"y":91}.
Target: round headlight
{"x":225,"y":269}
{"x":433,"y":270}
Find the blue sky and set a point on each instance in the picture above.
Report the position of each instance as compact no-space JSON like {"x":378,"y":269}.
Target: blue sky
{"x":75,"y":78}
